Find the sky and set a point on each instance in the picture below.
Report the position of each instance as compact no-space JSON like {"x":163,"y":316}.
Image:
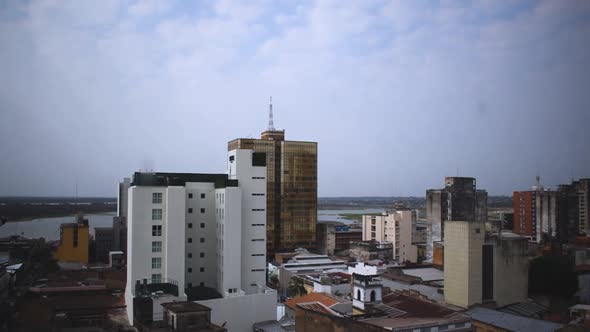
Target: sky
{"x":398,"y":94}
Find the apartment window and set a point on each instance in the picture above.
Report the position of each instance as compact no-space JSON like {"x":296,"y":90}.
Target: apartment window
{"x":254,"y":240}
{"x":156,"y":262}
{"x":202,"y":269}
{"x":202,"y":210}
{"x":256,"y":194}
{"x":157,"y":198}
{"x":157,"y":230}
{"x":258,"y":178}
{"x":190,"y":210}
{"x":190,"y":270}
{"x":202,"y":225}
{"x":202,"y":240}
{"x":257,"y":209}
{"x":190,"y":195}
{"x":202,"y":255}
{"x":156,"y":246}
{"x":190,"y":255}
{"x":256,"y":255}
{"x":477,"y":230}
{"x":257,"y":270}
{"x":230,"y":290}
{"x":190,"y":285}
{"x":156,"y":214}
{"x":257,"y":224}
{"x":190,"y":240}
{"x":202,"y":195}
{"x":156,"y":278}
{"x":190,"y":225}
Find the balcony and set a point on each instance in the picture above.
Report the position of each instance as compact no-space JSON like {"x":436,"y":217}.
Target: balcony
{"x":151,"y":287}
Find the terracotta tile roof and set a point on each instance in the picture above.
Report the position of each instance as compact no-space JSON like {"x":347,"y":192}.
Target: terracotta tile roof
{"x":311,"y":297}
{"x":317,"y":307}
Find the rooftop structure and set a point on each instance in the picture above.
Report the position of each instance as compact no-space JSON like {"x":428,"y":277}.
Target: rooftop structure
{"x":459,"y":200}
{"x":488,"y":318}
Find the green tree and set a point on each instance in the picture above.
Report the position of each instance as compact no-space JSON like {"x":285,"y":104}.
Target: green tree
{"x":274,"y":280}
{"x":553,"y":275}
{"x":296,"y":287}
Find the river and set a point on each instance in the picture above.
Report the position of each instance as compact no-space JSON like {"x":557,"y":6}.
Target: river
{"x":48,"y":228}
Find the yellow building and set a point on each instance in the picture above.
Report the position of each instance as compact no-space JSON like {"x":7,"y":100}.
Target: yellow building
{"x":73,"y":244}
{"x":463,"y":262}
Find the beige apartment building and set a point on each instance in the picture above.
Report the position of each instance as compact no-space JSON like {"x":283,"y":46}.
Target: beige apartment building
{"x":463,"y":262}
{"x":402,"y":229}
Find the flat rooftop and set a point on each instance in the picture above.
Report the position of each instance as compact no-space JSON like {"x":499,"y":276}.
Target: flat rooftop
{"x":180,"y":307}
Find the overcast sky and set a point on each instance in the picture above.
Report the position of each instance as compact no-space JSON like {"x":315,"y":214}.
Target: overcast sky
{"x":398,"y":95}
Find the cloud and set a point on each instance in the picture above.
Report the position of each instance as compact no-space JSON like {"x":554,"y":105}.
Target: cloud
{"x":398,"y":94}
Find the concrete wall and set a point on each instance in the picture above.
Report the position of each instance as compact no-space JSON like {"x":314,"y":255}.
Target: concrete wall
{"x":253,"y":213}
{"x":434,"y":205}
{"x":241,"y":312}
{"x":511,"y":271}
{"x":463,"y":262}
{"x":229,"y":221}
{"x":195,"y":232}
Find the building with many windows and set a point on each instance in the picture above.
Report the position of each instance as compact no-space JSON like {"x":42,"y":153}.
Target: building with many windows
{"x":291,"y":180}
{"x":188,"y":229}
{"x":458,"y":200}
{"x":402,"y":229}
{"x":535,"y":213}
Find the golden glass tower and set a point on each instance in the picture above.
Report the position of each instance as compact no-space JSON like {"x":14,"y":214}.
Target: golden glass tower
{"x":291,"y":202}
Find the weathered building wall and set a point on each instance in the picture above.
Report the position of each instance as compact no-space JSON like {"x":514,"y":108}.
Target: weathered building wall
{"x":511,"y":270}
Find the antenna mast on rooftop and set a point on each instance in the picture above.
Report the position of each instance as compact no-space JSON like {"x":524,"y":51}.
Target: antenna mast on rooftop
{"x":271,"y":125}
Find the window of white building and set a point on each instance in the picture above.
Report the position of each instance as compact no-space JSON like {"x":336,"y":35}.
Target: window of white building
{"x":156,"y":214}
{"x":157,"y":246}
{"x":157,"y":198}
{"x":156,"y":262}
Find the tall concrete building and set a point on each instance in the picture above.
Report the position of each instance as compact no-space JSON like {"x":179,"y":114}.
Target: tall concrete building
{"x":291,"y":179}
{"x":572,"y":210}
{"x":190,"y":230}
{"x":463,"y":262}
{"x":535,"y":213}
{"x":120,"y":220}
{"x":476,"y":269}
{"x":459,"y":200}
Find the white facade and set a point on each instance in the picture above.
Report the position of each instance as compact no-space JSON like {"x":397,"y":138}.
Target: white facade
{"x":366,"y":285}
{"x":397,"y":227}
{"x":199,"y":230}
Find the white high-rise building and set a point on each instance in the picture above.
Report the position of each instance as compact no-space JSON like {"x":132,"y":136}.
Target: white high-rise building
{"x":187,"y":230}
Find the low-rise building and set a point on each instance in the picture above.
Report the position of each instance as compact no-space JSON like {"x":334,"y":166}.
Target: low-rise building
{"x":363,"y":251}
{"x":398,"y":311}
{"x":189,"y":316}
{"x":485,"y":319}
{"x":335,"y":237}
{"x":305,"y":263}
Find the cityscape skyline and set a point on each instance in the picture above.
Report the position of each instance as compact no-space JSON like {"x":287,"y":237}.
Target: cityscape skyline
{"x":408,"y":94}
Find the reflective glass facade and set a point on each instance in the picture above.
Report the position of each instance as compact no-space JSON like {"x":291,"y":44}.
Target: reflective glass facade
{"x":291,"y":189}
